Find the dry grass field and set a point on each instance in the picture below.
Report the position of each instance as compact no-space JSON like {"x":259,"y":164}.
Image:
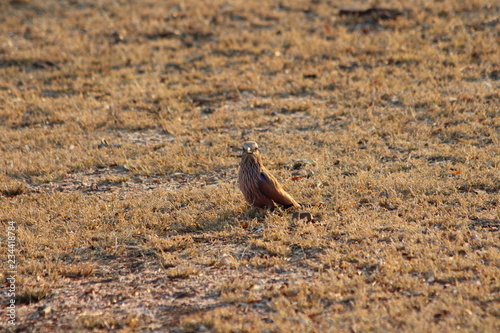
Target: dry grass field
{"x":119,"y":121}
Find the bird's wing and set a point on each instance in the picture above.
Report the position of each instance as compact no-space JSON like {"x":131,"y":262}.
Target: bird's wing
{"x":269,"y":186}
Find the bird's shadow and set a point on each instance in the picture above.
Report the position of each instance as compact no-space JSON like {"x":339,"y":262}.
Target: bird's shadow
{"x":232,"y":218}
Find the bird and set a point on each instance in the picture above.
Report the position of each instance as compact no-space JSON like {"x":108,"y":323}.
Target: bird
{"x":259,"y":187}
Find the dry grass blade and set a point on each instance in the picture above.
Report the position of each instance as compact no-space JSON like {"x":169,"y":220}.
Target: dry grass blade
{"x":117,"y":123}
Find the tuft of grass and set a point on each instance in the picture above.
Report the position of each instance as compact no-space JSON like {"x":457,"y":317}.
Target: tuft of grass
{"x":12,"y":189}
{"x":182,"y":271}
{"x":77,"y":271}
{"x":94,"y":321}
{"x":32,"y":295}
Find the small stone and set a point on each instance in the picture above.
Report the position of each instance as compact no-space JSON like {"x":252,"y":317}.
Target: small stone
{"x":303,"y":216}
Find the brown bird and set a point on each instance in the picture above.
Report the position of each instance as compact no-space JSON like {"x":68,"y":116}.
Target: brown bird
{"x":258,"y":185}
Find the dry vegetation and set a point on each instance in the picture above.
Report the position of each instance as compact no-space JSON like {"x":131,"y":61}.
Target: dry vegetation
{"x":118,"y":120}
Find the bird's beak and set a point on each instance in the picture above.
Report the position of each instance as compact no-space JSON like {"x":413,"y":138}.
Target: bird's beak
{"x":249,"y":150}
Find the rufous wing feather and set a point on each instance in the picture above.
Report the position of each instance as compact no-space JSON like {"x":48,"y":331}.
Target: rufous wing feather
{"x":271,"y":189}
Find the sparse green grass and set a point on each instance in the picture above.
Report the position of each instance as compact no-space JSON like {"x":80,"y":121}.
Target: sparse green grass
{"x":118,"y":121}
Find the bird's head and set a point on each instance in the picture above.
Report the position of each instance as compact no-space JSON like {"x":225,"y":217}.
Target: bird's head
{"x":250,"y":147}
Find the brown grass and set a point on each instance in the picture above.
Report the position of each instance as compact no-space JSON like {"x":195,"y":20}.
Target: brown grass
{"x":118,"y":121}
